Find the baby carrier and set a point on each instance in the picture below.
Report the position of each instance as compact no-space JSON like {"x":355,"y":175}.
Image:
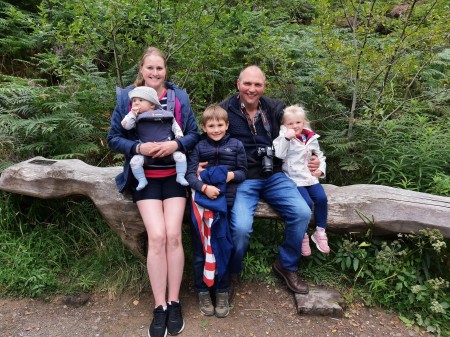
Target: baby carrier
{"x":156,"y":126}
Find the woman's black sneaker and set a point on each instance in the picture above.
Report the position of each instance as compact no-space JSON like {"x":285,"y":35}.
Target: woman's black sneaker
{"x":158,"y":328}
{"x":175,"y":322}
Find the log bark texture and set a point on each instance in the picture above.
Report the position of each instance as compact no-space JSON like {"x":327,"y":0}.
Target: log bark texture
{"x":355,"y":208}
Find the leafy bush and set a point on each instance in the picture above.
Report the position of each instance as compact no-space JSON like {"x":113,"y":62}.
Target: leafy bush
{"x":61,"y":247}
{"x":62,"y":122}
{"x":411,"y":152}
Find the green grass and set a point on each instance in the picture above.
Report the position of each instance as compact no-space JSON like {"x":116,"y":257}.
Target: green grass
{"x":50,"y":247}
{"x":64,"y":247}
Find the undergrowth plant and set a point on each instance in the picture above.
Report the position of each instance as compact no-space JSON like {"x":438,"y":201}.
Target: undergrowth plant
{"x":408,"y":273}
{"x":61,"y":247}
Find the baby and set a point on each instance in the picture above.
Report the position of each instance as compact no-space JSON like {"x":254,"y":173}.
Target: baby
{"x":145,"y":99}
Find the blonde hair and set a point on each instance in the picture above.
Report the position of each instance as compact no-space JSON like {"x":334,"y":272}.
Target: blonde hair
{"x":297,"y":110}
{"x":214,"y":112}
{"x":149,"y":51}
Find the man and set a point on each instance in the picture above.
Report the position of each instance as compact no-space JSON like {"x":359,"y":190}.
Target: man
{"x":254,"y":119}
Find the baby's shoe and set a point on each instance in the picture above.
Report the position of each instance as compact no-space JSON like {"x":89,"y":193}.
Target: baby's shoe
{"x":320,"y":239}
{"x":306,"y":249}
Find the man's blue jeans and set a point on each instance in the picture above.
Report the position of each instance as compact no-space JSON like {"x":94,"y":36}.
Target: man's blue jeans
{"x":315,"y":195}
{"x":281,"y":193}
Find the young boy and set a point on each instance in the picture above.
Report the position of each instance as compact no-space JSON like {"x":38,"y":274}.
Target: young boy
{"x":214,"y":189}
{"x":295,"y":145}
{"x":144,"y":100}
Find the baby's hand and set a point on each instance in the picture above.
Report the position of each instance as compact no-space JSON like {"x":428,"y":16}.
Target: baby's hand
{"x":135,"y":110}
{"x":290,"y":133}
{"x":123,"y":123}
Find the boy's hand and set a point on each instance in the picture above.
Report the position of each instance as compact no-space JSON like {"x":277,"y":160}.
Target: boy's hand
{"x":212,"y":192}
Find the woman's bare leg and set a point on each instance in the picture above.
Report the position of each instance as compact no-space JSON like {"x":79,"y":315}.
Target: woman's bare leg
{"x":153,"y":218}
{"x":174,"y":212}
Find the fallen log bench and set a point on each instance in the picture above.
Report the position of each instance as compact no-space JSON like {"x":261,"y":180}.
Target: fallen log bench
{"x":352,"y":208}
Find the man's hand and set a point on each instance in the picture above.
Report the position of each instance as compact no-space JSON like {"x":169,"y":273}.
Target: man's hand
{"x":313,"y":164}
{"x":317,"y":173}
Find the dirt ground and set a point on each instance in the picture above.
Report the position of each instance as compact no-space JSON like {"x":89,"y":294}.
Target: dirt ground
{"x":259,"y":310}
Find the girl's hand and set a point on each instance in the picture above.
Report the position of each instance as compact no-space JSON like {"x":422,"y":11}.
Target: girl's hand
{"x":290,"y":133}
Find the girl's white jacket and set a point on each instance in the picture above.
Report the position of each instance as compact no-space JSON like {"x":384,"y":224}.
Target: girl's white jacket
{"x":296,"y":154}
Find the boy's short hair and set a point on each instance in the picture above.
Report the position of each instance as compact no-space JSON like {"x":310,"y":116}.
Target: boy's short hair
{"x":214,"y":112}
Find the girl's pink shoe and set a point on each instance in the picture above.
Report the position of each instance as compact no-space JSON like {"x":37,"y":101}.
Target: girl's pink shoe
{"x":306,"y":249}
{"x":321,"y":242}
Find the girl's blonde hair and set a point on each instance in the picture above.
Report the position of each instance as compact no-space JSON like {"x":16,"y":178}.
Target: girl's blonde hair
{"x":214,"y":112}
{"x":297,"y":110}
{"x":150,"y":51}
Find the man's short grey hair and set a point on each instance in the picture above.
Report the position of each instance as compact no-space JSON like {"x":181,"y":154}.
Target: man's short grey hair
{"x":252,"y":66}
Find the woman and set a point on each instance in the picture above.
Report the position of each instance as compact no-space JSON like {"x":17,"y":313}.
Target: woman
{"x":162,"y":202}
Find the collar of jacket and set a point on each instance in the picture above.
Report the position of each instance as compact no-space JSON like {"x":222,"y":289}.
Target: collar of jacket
{"x":213,"y":142}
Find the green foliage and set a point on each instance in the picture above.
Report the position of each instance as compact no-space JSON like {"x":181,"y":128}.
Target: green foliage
{"x":409,"y":274}
{"x":61,"y":247}
{"x":411,"y":153}
{"x":376,"y":88}
{"x":56,"y":122}
{"x":263,"y":249}
{"x":18,"y":39}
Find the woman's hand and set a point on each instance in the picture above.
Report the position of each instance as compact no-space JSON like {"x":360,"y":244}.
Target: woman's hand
{"x":160,"y":149}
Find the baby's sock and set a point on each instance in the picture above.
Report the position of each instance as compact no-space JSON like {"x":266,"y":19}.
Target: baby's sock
{"x":139,"y":174}
{"x":181,"y":167}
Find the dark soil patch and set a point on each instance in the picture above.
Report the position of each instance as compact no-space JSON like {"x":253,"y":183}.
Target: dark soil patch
{"x":260,"y":310}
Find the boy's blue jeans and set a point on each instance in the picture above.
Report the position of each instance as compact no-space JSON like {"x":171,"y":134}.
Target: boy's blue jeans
{"x":315,"y":195}
{"x":281,"y":193}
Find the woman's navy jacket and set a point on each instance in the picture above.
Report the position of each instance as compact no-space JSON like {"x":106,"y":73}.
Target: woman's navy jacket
{"x":125,"y":141}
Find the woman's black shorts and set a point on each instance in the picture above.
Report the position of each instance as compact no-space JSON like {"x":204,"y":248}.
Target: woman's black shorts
{"x":161,"y":189}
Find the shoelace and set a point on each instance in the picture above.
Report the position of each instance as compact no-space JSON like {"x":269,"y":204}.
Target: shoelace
{"x":175,"y":312}
{"x":206,"y":300}
{"x":221,"y":300}
{"x":159,"y":318}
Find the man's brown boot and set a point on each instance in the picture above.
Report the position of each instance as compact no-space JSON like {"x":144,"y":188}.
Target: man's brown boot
{"x":292,"y":280}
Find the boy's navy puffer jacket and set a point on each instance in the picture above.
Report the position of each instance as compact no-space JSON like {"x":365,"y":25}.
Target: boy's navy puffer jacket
{"x":228,"y":152}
